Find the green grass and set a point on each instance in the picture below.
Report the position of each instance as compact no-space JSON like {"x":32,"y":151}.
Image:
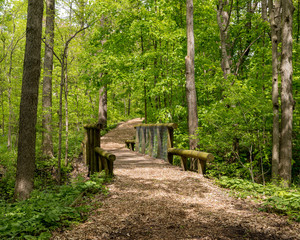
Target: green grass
{"x":277,"y":199}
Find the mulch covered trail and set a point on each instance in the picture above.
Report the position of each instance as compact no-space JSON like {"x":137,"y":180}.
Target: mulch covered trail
{"x":150,"y":199}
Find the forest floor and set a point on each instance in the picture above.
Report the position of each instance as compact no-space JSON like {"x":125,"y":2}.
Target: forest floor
{"x":150,"y":199}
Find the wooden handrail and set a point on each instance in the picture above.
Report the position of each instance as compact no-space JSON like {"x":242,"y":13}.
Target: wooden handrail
{"x":192,"y":153}
{"x":169,"y":125}
{"x":201,"y":157}
{"x":105,"y":161}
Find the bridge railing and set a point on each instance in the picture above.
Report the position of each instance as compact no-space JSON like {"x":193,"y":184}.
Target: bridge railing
{"x":201,"y":158}
{"x":156,"y":140}
{"x":95,"y":157}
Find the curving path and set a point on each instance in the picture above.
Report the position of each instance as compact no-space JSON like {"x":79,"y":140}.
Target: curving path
{"x":150,"y":199}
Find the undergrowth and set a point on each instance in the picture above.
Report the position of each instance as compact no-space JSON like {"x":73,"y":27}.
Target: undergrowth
{"x":49,"y":209}
{"x":277,"y":199}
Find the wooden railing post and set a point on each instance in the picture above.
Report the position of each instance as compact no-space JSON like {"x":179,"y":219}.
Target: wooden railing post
{"x":93,"y":140}
{"x":159,"y":142}
{"x":137,"y":139}
{"x":170,"y":143}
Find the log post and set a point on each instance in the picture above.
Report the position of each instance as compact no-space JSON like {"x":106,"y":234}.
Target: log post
{"x":170,"y":143}
{"x":137,"y":140}
{"x":143,"y":140}
{"x":159,"y":142}
{"x":93,"y":140}
{"x":183,"y":162}
{"x":201,"y":166}
{"x":151,"y":140}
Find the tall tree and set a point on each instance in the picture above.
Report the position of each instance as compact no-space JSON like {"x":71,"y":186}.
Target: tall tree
{"x":274,"y":8}
{"x":287,"y":102}
{"x":47,"y":144}
{"x":191,"y":96}
{"x":223,"y":18}
{"x":29,"y":101}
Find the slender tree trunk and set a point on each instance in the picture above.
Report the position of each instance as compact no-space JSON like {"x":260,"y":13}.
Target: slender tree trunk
{"x":9,"y":141}
{"x":264,"y":12}
{"x":102,"y":113}
{"x":191,"y":96}
{"x":29,"y":101}
{"x":145,"y":87}
{"x":274,"y":8}
{"x":66,"y":112}
{"x":47,"y":144}
{"x":223,"y":19}
{"x":298,"y":22}
{"x":287,"y":102}
{"x":60,"y":116}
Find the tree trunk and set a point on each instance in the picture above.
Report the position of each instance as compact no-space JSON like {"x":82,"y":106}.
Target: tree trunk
{"x":62,"y":75}
{"x":264,"y":12}
{"x":275,"y":37}
{"x":47,"y":144}
{"x":223,"y":19}
{"x":29,"y":101}
{"x":9,"y":141}
{"x":66,"y":113}
{"x":191,"y":96}
{"x":102,"y":113}
{"x":287,"y":102}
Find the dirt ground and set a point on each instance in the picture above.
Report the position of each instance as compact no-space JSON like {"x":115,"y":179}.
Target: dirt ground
{"x":150,"y":199}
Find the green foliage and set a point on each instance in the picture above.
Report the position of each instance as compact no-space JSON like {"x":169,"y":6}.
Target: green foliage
{"x":273,"y":198}
{"x":47,"y":210}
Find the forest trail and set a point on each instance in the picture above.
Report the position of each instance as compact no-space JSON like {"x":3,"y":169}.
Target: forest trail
{"x":150,"y":199}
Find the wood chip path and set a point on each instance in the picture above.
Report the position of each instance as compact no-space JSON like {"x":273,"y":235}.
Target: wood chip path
{"x":150,"y":199}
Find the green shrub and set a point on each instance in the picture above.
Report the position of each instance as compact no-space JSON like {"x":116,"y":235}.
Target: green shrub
{"x":48,"y":209}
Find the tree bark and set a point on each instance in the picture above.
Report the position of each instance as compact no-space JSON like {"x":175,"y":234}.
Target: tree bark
{"x":29,"y":101}
{"x":47,"y":144}
{"x":223,"y":19}
{"x":264,"y":12}
{"x":274,"y":8}
{"x":191,"y":96}
{"x":102,"y":113}
{"x":287,"y":102}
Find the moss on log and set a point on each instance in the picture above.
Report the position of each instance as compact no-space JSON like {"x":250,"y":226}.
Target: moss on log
{"x":105,"y":154}
{"x":191,"y":153}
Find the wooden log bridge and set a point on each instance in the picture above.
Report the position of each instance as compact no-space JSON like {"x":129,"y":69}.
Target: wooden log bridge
{"x":202,"y":158}
{"x":96,"y":158}
{"x":156,"y":140}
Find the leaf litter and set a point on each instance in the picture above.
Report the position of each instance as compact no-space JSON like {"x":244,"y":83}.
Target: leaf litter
{"x":150,"y":199}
